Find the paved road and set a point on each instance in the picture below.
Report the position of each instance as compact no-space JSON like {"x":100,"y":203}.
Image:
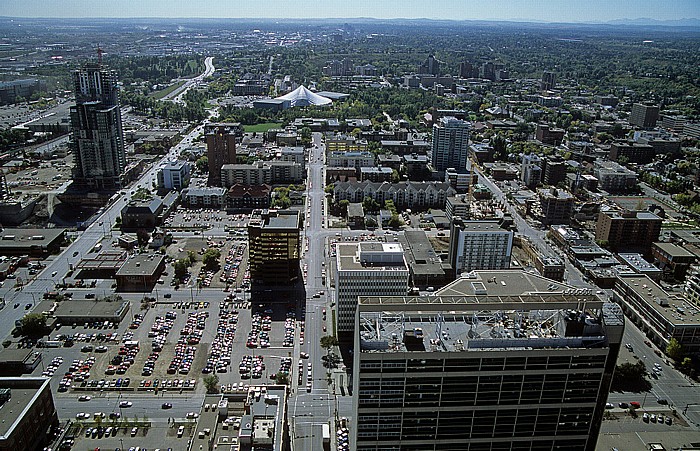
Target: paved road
{"x":670,"y":385}
{"x":309,"y":410}
{"x":572,"y":276}
{"x":144,"y":404}
{"x":177,"y":94}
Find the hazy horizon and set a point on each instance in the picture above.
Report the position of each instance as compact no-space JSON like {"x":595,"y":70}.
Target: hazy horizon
{"x":512,"y":10}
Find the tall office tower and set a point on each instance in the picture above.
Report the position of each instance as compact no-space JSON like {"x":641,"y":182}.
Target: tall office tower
{"x":497,"y":360}
{"x":274,"y":246}
{"x":479,"y":245}
{"x":96,"y":130}
{"x":549,"y":81}
{"x":367,"y":269}
{"x":430,"y":66}
{"x":450,"y":145}
{"x":643,"y":115}
{"x":221,"y":148}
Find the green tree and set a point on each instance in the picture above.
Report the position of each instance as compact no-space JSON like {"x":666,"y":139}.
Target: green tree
{"x":687,"y":364}
{"x":394,"y":222}
{"x":180,"y":268}
{"x":343,"y":205}
{"x":370,"y":205}
{"x":202,"y":164}
{"x":211,"y":382}
{"x":630,"y":372}
{"x":191,"y":257}
{"x":33,"y":325}
{"x":328,"y":341}
{"x":674,"y":350}
{"x":282,"y":378}
{"x":211,"y":259}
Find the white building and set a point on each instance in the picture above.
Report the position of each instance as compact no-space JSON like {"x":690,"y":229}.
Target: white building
{"x":174,"y":174}
{"x":261,"y":173}
{"x":367,"y":269}
{"x":450,"y":144}
{"x":350,"y":159}
{"x":479,"y":245}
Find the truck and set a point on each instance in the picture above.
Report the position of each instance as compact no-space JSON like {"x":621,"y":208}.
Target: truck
{"x":326,"y":434}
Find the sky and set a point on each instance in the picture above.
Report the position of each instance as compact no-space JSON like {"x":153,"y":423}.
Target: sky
{"x":529,"y":10}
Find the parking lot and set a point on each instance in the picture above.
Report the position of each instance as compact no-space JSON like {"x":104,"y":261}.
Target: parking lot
{"x":197,"y":220}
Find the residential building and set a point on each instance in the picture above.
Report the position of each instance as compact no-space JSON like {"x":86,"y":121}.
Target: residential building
{"x":457,"y":206}
{"x":644,"y":116}
{"x":613,"y":177}
{"x":549,"y":81}
{"x":631,"y":231}
{"x":553,"y":172}
{"x":207,"y":197}
{"x":557,"y":206}
{"x":496,"y":360}
{"x":550,"y":136}
{"x":430,"y":66}
{"x":262,"y":172}
{"x":174,"y":175}
{"x":97,"y":139}
{"x":639,"y":265}
{"x":28,"y":413}
{"x":417,"y":167}
{"x":221,"y":148}
{"x":450,"y":148}
{"x":531,"y":170}
{"x":355,"y":160}
{"x":376,"y":174}
{"x":672,"y":123}
{"x":460,"y":181}
{"x":406,"y":147}
{"x":367,"y":269}
{"x":274,"y":246}
{"x":631,"y":152}
{"x":660,"y":314}
{"x":674,"y":260}
{"x":346,"y":144}
{"x":418,"y":195}
{"x":479,"y":245}
{"x":248,"y":197}
{"x":10,"y":91}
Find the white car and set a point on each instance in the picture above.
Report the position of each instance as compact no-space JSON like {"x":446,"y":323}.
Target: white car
{"x":308,"y":387}
{"x":84,"y":398}
{"x":125,"y":404}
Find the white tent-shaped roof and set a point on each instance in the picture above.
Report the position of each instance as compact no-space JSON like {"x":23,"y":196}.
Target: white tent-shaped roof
{"x":303,"y":97}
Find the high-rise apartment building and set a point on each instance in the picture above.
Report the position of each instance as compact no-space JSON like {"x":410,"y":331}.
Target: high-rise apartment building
{"x":643,"y":115}
{"x":221,"y":148}
{"x":430,"y":66}
{"x":549,"y":81}
{"x":97,"y":138}
{"x":367,"y":269}
{"x":479,"y":245}
{"x":629,"y":231}
{"x":450,"y":144}
{"x":274,"y":246}
{"x":497,"y":360}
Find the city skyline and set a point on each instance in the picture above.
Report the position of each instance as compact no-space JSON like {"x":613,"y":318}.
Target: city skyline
{"x":513,"y":10}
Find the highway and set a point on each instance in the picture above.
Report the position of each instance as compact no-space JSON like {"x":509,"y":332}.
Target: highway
{"x":177,"y":94}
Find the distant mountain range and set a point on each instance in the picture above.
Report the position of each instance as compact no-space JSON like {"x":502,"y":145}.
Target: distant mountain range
{"x":645,"y":21}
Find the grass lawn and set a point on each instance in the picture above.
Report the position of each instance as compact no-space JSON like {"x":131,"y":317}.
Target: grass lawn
{"x":260,"y":128}
{"x":164,"y":92}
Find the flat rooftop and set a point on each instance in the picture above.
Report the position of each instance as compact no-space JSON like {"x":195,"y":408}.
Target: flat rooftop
{"x":141,"y":265}
{"x":28,"y":237}
{"x":273,"y":219}
{"x":348,"y":256}
{"x":674,"y":250}
{"x":676,"y":310}
{"x":24,"y":392}
{"x":97,"y":309}
{"x":103,"y":260}
{"x":420,"y":255}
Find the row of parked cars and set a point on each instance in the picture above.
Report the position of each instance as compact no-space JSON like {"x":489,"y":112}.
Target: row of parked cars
{"x":220,"y":352}
{"x":79,"y":371}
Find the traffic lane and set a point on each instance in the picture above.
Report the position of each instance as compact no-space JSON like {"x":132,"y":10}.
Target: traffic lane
{"x":69,"y":406}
